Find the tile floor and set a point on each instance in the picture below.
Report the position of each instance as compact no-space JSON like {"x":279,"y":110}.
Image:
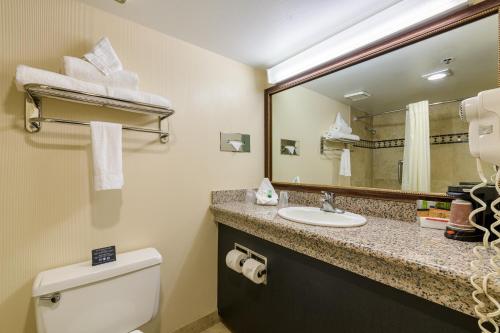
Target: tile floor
{"x":217,"y":328}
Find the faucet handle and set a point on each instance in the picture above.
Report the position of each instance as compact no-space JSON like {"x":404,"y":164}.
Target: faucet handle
{"x":329,"y":196}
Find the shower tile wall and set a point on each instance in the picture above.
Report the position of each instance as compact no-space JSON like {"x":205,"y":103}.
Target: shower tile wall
{"x":450,"y":163}
{"x":385,"y":160}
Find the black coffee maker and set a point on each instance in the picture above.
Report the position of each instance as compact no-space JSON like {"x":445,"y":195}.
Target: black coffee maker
{"x":462,"y":191}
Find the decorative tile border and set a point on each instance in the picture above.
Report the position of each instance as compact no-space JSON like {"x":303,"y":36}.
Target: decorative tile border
{"x":440,"y":139}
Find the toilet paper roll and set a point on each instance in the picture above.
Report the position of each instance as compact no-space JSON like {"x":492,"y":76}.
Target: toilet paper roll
{"x":234,"y":258}
{"x":254,"y":271}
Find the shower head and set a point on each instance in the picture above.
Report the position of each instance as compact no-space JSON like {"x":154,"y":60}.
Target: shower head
{"x":372,"y":130}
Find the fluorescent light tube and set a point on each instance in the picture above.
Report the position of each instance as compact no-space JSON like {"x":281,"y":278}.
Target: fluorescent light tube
{"x":396,"y":18}
{"x":438,"y":75}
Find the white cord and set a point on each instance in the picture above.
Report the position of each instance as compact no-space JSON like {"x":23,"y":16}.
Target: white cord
{"x":479,"y":265}
{"x":496,"y":257}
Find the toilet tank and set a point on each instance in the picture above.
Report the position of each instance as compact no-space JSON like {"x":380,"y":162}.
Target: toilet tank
{"x":115,"y":297}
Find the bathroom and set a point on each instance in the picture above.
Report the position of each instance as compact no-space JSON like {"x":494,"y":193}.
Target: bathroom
{"x":273,"y":166}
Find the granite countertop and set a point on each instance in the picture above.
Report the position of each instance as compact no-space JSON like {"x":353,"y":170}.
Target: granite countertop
{"x":401,"y":254}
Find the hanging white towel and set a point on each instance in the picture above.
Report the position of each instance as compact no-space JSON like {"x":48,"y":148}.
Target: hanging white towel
{"x":107,"y":155}
{"x":345,"y":163}
{"x":417,"y":160}
{"x":104,"y":57}
{"x":83,"y":70}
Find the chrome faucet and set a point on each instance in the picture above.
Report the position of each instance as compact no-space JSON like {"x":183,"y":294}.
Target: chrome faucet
{"x":328,"y":203}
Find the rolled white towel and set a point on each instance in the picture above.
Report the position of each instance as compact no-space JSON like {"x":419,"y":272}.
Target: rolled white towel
{"x":83,"y":70}
{"x":26,"y":75}
{"x":104,"y":57}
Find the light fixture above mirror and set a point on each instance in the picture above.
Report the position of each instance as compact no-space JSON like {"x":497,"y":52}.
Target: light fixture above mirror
{"x":401,"y":16}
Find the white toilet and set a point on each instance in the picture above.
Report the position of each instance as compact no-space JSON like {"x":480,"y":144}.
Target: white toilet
{"x":116,"y":297}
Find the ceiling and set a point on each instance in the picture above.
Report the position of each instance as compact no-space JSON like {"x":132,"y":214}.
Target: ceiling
{"x":260,"y":33}
{"x":395,"y":79}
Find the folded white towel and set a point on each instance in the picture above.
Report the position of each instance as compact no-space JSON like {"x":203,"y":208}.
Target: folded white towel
{"x":26,"y":75}
{"x":340,"y":135}
{"x":83,"y":70}
{"x":138,"y":96}
{"x":107,"y":155}
{"x":341,"y":125}
{"x":345,"y":163}
{"x":104,"y":57}
{"x":266,"y":195}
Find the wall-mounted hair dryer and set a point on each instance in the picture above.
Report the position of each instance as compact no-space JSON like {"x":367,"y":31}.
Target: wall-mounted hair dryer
{"x":483,"y":114}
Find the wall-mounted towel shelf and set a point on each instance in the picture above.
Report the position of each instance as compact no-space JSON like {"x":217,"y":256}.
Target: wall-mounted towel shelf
{"x":345,"y":142}
{"x":33,"y":109}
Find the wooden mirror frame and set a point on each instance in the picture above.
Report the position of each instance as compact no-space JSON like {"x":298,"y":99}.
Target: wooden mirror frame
{"x":430,"y":29}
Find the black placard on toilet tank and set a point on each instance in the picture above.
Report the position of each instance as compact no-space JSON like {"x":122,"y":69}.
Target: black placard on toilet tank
{"x":103,"y":255}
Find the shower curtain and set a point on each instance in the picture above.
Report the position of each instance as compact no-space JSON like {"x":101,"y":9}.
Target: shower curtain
{"x":417,"y":159}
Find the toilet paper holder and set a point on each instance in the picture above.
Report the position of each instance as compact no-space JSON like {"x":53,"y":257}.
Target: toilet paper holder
{"x":253,"y":255}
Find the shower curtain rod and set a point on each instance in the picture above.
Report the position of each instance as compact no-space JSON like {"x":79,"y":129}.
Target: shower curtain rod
{"x":405,"y":108}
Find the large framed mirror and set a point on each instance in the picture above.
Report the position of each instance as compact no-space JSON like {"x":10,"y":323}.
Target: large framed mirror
{"x":378,"y":121}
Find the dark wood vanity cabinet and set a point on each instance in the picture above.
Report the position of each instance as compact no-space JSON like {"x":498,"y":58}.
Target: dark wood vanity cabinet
{"x":306,"y":295}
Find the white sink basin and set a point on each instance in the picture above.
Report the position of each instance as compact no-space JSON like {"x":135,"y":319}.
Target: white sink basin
{"x":315,"y":216}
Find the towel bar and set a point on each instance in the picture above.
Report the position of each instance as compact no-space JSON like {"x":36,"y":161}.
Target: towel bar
{"x":36,"y":121}
{"x":33,"y":118}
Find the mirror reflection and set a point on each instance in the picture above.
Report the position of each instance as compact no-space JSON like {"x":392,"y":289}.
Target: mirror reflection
{"x":391,"y":122}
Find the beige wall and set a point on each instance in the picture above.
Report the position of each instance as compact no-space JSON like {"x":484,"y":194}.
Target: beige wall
{"x":49,"y":214}
{"x":304,"y":115}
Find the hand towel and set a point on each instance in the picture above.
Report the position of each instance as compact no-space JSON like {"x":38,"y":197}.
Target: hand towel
{"x":83,"y":70}
{"x":104,"y":57}
{"x":107,"y":155}
{"x":26,"y":75}
{"x":345,"y":163}
{"x":266,"y":195}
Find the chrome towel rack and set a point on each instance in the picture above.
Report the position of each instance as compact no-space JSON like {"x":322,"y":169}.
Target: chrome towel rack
{"x":33,"y":118}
